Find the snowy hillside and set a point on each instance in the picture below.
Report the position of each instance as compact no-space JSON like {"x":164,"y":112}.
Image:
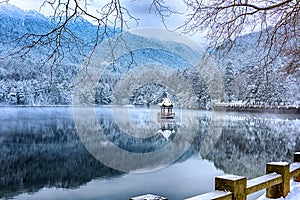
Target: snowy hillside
{"x":28,"y":82}
{"x":247,"y":79}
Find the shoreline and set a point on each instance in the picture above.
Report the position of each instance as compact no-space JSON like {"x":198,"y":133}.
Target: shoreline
{"x":260,"y":109}
{"x":220,"y":107}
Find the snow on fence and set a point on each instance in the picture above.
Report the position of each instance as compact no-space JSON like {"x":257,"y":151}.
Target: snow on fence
{"x":276,"y":182}
{"x":231,"y":187}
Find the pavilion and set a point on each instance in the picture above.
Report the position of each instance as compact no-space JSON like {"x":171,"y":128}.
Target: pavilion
{"x":166,"y":107}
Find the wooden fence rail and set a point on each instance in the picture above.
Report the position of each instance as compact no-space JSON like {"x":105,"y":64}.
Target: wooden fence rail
{"x":231,"y":187}
{"x":276,"y":182}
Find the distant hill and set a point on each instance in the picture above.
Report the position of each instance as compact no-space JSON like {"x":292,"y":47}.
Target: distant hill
{"x":27,"y":82}
{"x":247,"y":79}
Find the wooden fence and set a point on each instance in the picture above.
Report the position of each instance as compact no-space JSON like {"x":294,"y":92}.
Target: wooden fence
{"x":231,"y":187}
{"x":276,"y":182}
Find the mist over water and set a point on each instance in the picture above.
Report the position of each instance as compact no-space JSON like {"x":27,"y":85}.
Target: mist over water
{"x":42,"y":154}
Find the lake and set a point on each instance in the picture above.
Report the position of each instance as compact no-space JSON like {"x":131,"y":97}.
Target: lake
{"x":117,"y":153}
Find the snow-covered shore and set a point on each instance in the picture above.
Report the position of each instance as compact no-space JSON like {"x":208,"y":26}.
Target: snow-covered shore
{"x":293,"y":195}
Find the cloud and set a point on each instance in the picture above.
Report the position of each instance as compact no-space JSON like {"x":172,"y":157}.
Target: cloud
{"x":147,"y":17}
{"x":140,"y":9}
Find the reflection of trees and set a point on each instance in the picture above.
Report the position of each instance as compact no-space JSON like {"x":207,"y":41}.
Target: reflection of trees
{"x":135,"y":130}
{"x":44,"y":151}
{"x":126,"y":152}
{"x":124,"y":140}
{"x":248,"y":143}
{"x":52,"y":165}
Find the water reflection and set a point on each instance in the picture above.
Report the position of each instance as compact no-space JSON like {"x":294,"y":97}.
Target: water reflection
{"x":121,"y":150}
{"x":167,"y":128}
{"x":40,"y":147}
{"x":249,"y":141}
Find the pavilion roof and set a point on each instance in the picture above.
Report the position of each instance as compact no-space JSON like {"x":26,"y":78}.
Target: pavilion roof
{"x":166,"y":102}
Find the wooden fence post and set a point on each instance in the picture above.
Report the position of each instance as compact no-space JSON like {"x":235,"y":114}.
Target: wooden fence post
{"x":297,"y":159}
{"x":282,"y":189}
{"x":234,"y":184}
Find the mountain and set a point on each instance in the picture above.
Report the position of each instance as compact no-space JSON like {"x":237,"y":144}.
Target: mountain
{"x":18,"y":21}
{"x":246,"y":77}
{"x":29,"y":82}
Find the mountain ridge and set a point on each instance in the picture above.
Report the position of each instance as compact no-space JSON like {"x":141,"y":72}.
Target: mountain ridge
{"x":26,"y":82}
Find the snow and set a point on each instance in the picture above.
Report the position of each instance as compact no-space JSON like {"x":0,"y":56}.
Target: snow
{"x":211,"y":195}
{"x":262,"y":179}
{"x":244,"y":82}
{"x":166,"y":133}
{"x":279,"y":163}
{"x":230,"y":177}
{"x":293,"y":195}
{"x":148,"y":197}
{"x":15,"y":12}
{"x":10,"y":9}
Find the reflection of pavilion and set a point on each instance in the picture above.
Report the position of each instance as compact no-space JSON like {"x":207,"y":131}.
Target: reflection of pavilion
{"x":166,"y":107}
{"x":167,"y":127}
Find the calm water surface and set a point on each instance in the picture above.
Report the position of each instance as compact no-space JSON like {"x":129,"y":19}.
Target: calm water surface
{"x":44,"y":156}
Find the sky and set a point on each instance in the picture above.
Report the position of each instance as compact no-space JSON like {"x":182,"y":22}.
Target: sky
{"x":139,"y":9}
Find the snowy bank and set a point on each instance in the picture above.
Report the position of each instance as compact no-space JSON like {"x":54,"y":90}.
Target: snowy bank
{"x":293,"y":195}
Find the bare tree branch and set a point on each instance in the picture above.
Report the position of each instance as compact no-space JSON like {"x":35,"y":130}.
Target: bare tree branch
{"x":162,"y":10}
{"x":60,"y":39}
{"x":278,"y":22}
{"x":225,"y":20}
